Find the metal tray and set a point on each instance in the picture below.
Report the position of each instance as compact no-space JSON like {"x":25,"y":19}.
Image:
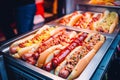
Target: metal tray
{"x":86,"y":74}
{"x":85,"y":3}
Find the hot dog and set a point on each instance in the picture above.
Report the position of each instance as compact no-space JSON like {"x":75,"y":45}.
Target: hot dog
{"x":77,"y":60}
{"x":63,"y":53}
{"x":30,"y":44}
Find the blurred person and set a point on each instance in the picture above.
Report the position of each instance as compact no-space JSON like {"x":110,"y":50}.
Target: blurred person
{"x":21,"y":12}
{"x":6,"y":18}
{"x":25,"y":15}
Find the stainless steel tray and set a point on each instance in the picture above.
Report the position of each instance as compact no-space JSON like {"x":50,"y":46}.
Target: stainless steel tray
{"x":86,"y":74}
{"x":85,"y":2}
{"x":83,"y":5}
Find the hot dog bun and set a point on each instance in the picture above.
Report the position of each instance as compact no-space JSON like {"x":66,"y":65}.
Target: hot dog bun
{"x":71,"y":70}
{"x":81,"y":65}
{"x":107,"y":23}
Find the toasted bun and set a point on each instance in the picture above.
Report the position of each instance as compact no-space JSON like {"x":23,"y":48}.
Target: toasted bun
{"x":42,"y":29}
{"x":81,"y":65}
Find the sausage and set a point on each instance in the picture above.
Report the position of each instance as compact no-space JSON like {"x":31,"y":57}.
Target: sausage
{"x":48,"y":67}
{"x":64,"y":73}
{"x":60,"y":57}
{"x":31,"y":60}
{"x":26,"y":56}
{"x":13,"y":50}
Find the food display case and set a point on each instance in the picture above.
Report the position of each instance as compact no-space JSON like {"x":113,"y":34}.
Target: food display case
{"x":94,"y":70}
